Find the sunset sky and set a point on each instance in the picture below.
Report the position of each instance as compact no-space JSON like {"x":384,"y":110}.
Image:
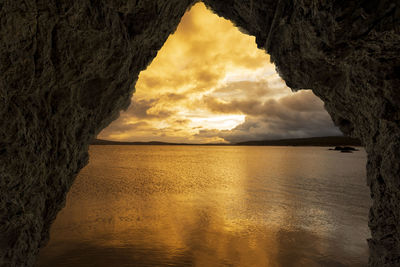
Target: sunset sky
{"x":210,"y":83}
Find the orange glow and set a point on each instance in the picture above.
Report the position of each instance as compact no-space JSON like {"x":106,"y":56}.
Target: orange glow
{"x":206,"y":62}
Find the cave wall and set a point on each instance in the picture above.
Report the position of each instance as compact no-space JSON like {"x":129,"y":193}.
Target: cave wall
{"x":347,"y":52}
{"x":66,"y":70}
{"x":68,"y":67}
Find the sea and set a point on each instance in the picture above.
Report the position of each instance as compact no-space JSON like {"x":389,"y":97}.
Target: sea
{"x":214,"y":206}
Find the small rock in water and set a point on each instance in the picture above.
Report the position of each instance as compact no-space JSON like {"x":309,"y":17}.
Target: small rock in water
{"x":344,"y":149}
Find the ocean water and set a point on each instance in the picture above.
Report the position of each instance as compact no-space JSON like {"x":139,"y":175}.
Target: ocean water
{"x":214,"y":206}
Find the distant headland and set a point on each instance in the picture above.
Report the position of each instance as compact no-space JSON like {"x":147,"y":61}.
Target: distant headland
{"x":311,"y":141}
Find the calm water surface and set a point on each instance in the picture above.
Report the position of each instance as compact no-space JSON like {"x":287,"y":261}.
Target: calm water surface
{"x":214,"y":206}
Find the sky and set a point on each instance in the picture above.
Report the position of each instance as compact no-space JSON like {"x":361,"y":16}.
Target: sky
{"x":211,"y":84}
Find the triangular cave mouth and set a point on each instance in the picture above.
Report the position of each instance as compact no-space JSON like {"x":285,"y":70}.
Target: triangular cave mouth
{"x":68,"y":69}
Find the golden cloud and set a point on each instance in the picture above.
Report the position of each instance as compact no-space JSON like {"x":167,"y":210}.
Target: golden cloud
{"x":207,"y":84}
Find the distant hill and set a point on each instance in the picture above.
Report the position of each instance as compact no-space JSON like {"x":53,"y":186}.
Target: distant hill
{"x":106,"y":142}
{"x":313,"y":141}
{"x":152,"y":143}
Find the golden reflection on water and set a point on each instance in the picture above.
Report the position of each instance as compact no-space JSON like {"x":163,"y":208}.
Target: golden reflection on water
{"x":213,"y":206}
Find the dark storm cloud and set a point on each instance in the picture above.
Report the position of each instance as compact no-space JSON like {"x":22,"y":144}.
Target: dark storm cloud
{"x":302,"y":101}
{"x":298,"y":115}
{"x":257,"y":99}
{"x":294,"y":105}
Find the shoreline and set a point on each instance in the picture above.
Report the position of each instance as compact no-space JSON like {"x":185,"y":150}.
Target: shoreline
{"x":326,"y":141}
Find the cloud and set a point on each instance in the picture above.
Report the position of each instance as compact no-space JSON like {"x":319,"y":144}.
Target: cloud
{"x":249,"y":89}
{"x":253,"y":104}
{"x":249,"y":106}
{"x":303,"y":101}
{"x":182,"y":122}
{"x":175,"y":97}
{"x":118,"y":131}
{"x":139,"y":108}
{"x":121,"y":128}
{"x":146,"y":109}
{"x":297,"y":115}
{"x":209,"y":76}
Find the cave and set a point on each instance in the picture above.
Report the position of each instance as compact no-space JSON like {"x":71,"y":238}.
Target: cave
{"x":69,"y":67}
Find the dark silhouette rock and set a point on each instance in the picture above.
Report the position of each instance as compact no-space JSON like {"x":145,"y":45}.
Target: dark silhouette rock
{"x":345,"y":149}
{"x":68,"y":67}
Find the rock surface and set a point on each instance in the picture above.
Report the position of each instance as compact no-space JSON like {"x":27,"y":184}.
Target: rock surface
{"x":68,"y":67}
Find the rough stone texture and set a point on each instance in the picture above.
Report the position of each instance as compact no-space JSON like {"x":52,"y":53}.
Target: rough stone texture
{"x":348,"y":53}
{"x":68,"y":67}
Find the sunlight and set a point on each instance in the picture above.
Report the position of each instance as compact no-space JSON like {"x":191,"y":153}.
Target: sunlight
{"x":225,"y":122}
{"x":192,"y":64}
{"x":215,"y":86}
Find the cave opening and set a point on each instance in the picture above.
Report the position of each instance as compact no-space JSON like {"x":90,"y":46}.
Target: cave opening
{"x":216,"y":87}
{"x":205,"y":87}
{"x":69,"y":67}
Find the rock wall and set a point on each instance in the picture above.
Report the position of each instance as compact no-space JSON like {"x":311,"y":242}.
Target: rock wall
{"x":66,"y":70}
{"x":347,"y":52}
{"x":68,"y":67}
